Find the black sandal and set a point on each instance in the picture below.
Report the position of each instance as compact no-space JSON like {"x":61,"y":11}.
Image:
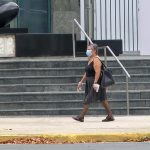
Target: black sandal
{"x":108,"y":118}
{"x":78,"y":118}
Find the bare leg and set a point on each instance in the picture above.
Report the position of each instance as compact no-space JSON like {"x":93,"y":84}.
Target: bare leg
{"x":84,"y":111}
{"x":108,"y":111}
{"x":107,"y":107}
{"x":82,"y":114}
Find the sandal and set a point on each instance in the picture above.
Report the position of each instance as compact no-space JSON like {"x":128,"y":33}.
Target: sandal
{"x":78,"y":118}
{"x":108,"y":118}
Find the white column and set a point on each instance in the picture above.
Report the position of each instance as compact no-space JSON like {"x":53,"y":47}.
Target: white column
{"x":144,"y":27}
{"x":82,"y":16}
{"x":90,"y":19}
{"x":98,"y":19}
{"x":95,"y":21}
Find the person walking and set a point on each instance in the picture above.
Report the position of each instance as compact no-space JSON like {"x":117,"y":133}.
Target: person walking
{"x":92,"y":77}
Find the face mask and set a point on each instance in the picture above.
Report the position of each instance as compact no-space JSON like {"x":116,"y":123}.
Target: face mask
{"x":88,"y":53}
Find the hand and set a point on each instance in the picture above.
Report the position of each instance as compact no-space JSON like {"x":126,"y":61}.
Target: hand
{"x":79,"y":86}
{"x":96,"y":87}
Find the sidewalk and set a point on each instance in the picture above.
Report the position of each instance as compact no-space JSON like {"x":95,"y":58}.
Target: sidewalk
{"x":124,"y":128}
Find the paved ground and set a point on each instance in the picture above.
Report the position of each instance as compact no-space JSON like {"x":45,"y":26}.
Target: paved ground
{"x":124,"y":128}
{"x":97,"y":146}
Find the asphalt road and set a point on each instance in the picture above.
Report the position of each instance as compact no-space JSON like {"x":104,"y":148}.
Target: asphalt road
{"x":100,"y":146}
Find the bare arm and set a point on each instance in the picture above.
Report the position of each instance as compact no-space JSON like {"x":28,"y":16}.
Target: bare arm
{"x":97,"y":68}
{"x":83,"y":78}
{"x":81,"y":81}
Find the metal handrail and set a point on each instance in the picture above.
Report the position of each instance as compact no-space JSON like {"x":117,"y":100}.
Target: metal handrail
{"x":105,"y":48}
{"x":75,"y":21}
{"x":125,"y":71}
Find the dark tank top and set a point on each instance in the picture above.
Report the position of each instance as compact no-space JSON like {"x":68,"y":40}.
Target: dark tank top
{"x":90,"y":72}
{"x":89,"y":69}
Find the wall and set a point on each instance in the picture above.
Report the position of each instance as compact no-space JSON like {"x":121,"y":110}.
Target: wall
{"x":144,"y":27}
{"x":63,"y":13}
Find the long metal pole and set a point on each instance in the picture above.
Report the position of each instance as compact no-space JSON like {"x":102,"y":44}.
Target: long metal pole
{"x":105,"y":55}
{"x":73,"y":40}
{"x":118,"y":61}
{"x":127,"y":94}
{"x":83,"y":31}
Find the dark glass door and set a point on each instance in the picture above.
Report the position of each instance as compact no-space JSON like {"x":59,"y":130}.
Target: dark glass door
{"x":35,"y":15}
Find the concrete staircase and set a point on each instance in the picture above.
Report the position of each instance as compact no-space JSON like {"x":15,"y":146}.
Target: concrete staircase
{"x":46,"y":86}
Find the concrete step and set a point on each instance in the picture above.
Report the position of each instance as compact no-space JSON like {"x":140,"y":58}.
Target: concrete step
{"x":70,"y":104}
{"x":65,"y":79}
{"x":67,"y":87}
{"x":61,"y":111}
{"x":40,"y":79}
{"x":65,"y":62}
{"x":42,"y":71}
{"x":130,"y":63}
{"x":132,"y":86}
{"x":131,"y":70}
{"x":37,"y":87}
{"x":66,"y":71}
{"x":39,"y":63}
{"x":57,"y":96}
{"x":74,"y":111}
{"x":48,"y":87}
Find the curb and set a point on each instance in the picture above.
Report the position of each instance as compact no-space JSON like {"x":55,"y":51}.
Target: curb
{"x":79,"y":138}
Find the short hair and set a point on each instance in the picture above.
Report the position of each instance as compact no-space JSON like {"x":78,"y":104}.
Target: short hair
{"x":94,"y":47}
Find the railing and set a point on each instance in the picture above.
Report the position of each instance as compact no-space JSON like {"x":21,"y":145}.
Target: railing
{"x":105,"y":49}
{"x":125,"y":71}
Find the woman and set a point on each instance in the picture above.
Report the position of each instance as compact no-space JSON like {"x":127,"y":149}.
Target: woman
{"x":92,"y":76}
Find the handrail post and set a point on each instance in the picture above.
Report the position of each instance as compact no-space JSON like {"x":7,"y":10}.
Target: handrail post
{"x":105,"y":55}
{"x":127,"y":94}
{"x":73,"y":40}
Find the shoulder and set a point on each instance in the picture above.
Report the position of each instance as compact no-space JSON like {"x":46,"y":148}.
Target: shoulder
{"x":97,"y":60}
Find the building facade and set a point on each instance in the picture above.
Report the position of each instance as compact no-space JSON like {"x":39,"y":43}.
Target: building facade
{"x":102,"y":20}
{"x":44,"y":16}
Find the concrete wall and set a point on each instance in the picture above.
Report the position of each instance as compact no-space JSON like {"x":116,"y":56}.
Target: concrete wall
{"x":144,"y":27}
{"x":63,"y":12}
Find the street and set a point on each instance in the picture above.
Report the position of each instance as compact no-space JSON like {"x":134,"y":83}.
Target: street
{"x":97,"y":146}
